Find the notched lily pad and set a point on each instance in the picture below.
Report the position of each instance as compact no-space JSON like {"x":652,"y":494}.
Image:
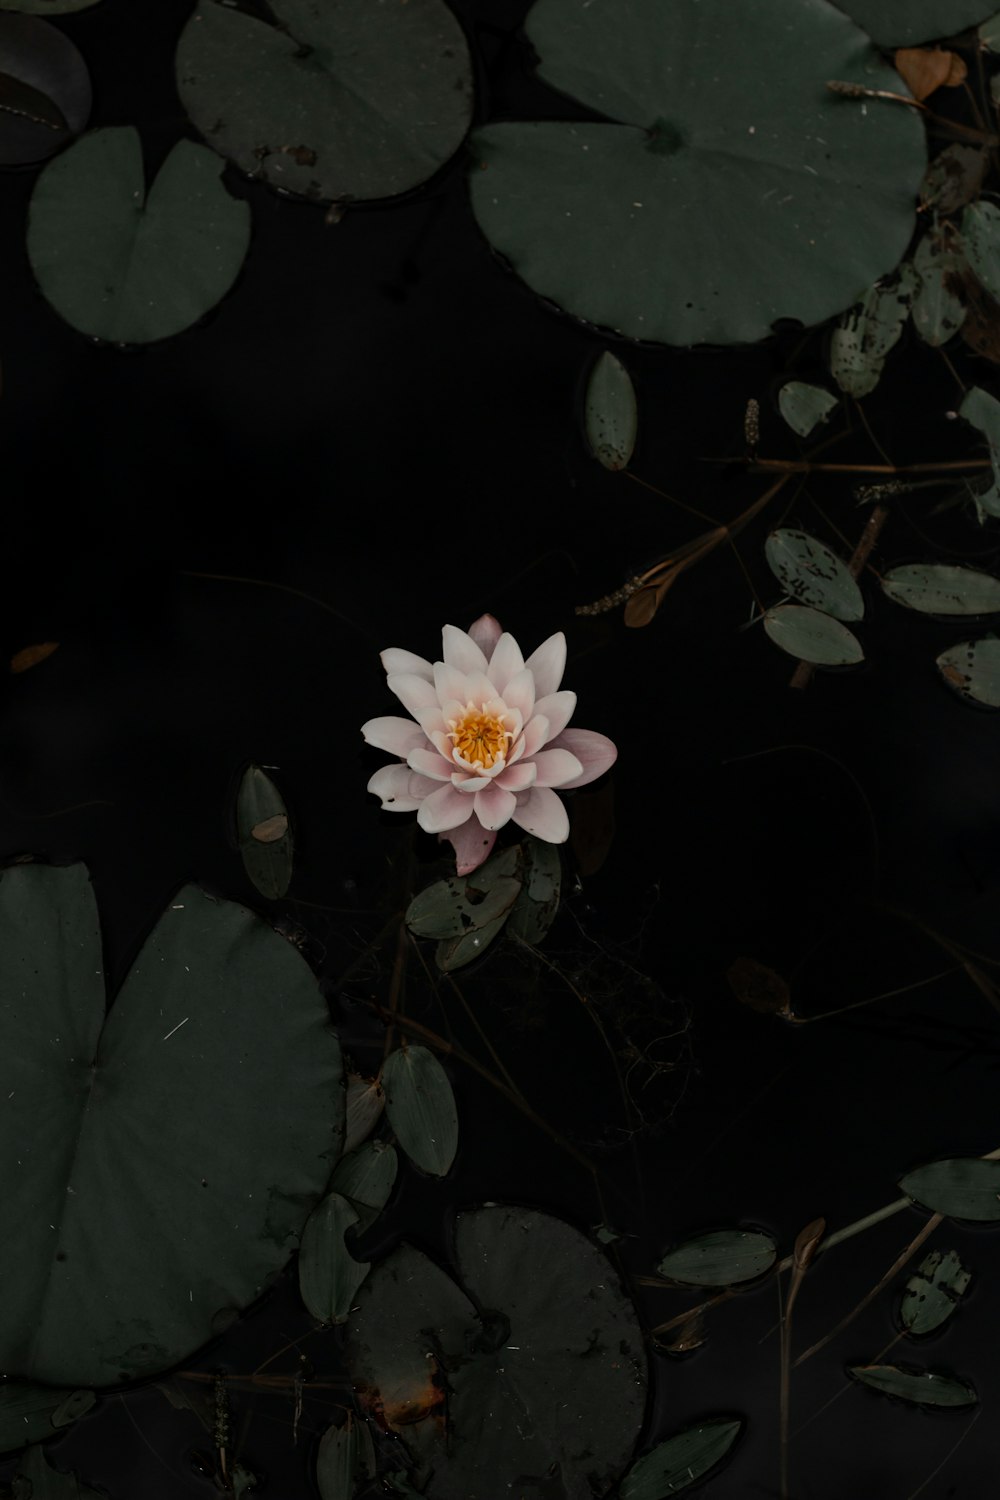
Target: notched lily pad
{"x":45,"y":93}
{"x":961,"y":1187}
{"x":537,"y":1345}
{"x":724,"y":1257}
{"x":921,"y":1387}
{"x":933,"y":1292}
{"x":265,"y":838}
{"x":813,"y":575}
{"x":680,"y":1461}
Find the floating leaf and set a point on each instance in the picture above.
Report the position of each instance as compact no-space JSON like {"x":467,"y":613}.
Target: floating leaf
{"x":365,"y":1103}
{"x":265,"y":839}
{"x":972,"y":668}
{"x":36,"y":1479}
{"x":75,"y":1406}
{"x":724,"y":1257}
{"x":123,"y":266}
{"x":902,"y":23}
{"x":611,"y":415}
{"x":342,"y":101}
{"x":813,"y":574}
{"x":346,"y":1454}
{"x":46,"y":7}
{"x":981,"y":242}
{"x":924,"y":69}
{"x":490,"y":894}
{"x":214,"y":1076}
{"x":759,"y":987}
{"x":700,"y":212}
{"x":28,"y":1412}
{"x":866,"y":334}
{"x":30,"y":656}
{"x":365,"y":1177}
{"x":543,"y":1353}
{"x":961,"y":1187}
{"x":989,"y":33}
{"x":680,"y":1461}
{"x":982,"y":411}
{"x":812,"y":636}
{"x":536,"y":906}
{"x":933,"y":1292}
{"x":921,"y":1387}
{"x":45,"y":93}
{"x":329,"y":1276}
{"x":938,"y":311}
{"x":420,"y":1107}
{"x":943,"y":589}
{"x":454,"y":907}
{"x":954,"y":177}
{"x":804,"y":406}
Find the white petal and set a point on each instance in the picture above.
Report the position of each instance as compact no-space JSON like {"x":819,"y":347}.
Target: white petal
{"x":471,"y":782}
{"x":556,"y":767}
{"x":548,"y":664}
{"x":451,"y":686}
{"x":505,"y":662}
{"x":536,"y":734}
{"x":392,"y":785}
{"x":413,"y":692}
{"x":517,"y":778}
{"x":594,"y":751}
{"x":429,"y":763}
{"x":399,"y":663}
{"x":558,"y":709}
{"x":519,"y":693}
{"x":494,"y":806}
{"x":444,"y":809}
{"x":542,"y":814}
{"x":460,"y":650}
{"x":398,"y":736}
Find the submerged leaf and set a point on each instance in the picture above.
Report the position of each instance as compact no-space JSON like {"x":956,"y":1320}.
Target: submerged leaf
{"x":611,"y":415}
{"x":265,"y":839}
{"x":812,"y":636}
{"x":933,"y":1292}
{"x":972,"y":668}
{"x":864,"y":337}
{"x":813,"y":574}
{"x":923,"y":1388}
{"x":954,"y":177}
{"x":329,"y":1276}
{"x":805,"y":406}
{"x":759,"y":987}
{"x":981,"y":243}
{"x":725,"y":1257}
{"x":960,"y":1187}
{"x":943,"y":589}
{"x":420,"y":1107}
{"x":680,"y":1461}
{"x":365,"y":1177}
{"x":536,"y":906}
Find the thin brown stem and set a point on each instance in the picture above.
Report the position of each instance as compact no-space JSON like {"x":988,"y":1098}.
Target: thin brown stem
{"x":681,"y":504}
{"x":806,"y":1245}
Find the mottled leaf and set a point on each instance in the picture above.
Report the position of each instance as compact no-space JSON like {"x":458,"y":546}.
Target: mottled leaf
{"x":938,"y":311}
{"x":954,"y":177}
{"x":981,"y":243}
{"x":265,"y":838}
{"x":805,"y":406}
{"x":420,"y":1107}
{"x":972,"y":668}
{"x":536,"y":906}
{"x":723,"y":1257}
{"x":611,"y":415}
{"x":36,"y":1479}
{"x":680,"y":1461}
{"x":933,"y":1291}
{"x":943,"y":589}
{"x":960,"y":1187}
{"x":923,"y":1388}
{"x":329,"y":1276}
{"x":862,"y":340}
{"x":812,"y":636}
{"x":813,"y":575}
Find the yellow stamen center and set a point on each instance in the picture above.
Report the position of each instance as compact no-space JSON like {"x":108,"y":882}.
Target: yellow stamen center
{"x":480,"y":738}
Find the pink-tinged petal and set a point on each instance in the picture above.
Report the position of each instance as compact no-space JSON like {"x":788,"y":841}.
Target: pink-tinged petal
{"x":547,"y":664}
{"x":460,"y":650}
{"x":392,"y":785}
{"x":485,"y":632}
{"x":432,"y":722}
{"x":443,"y":809}
{"x":414,"y":693}
{"x":398,"y":736}
{"x":542,"y":814}
{"x":472,"y":844}
{"x":469,"y":782}
{"x":494,"y":806}
{"x":442,"y":742}
{"x":517,"y":778}
{"x":481,"y":690}
{"x":595,"y":752}
{"x":556,"y":767}
{"x":429,"y":763}
{"x":519,"y":693}
{"x":505,"y":662}
{"x":451,"y":687}
{"x":558,"y":709}
{"x":399,"y":663}
{"x":535,"y":735}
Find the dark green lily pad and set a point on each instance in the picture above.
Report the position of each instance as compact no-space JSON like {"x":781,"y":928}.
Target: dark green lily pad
{"x":725,"y":1257}
{"x":541,"y":1353}
{"x":933,"y":1292}
{"x":126,"y":266}
{"x":922,"y":1387}
{"x":536,"y":906}
{"x":611,"y":414}
{"x":420,"y":1107}
{"x":961,"y":1187}
{"x":365,"y":1177}
{"x":868,"y":332}
{"x":906,"y":23}
{"x":346,"y":1455}
{"x":680,"y":1461}
{"x":28,"y":1412}
{"x":45,"y":94}
{"x":156,"y":1167}
{"x":812,"y":636}
{"x":344,"y":100}
{"x":943,"y":589}
{"x":813,"y":575}
{"x":36,"y":1479}
{"x":804,"y":406}
{"x":265,"y":836}
{"x":972,"y":668}
{"x":329,"y":1275}
{"x":46,"y":7}
{"x":726,"y":186}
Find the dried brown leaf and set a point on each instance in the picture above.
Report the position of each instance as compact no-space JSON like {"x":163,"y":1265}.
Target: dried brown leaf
{"x":271,"y":829}
{"x":923,"y":69}
{"x":30,"y":656}
{"x":759,"y":987}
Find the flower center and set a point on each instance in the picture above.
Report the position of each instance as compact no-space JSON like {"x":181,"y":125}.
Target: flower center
{"x":479,"y":737}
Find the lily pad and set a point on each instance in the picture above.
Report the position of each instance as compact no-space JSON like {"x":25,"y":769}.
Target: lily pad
{"x":812,"y":636}
{"x":943,"y":589}
{"x":45,"y":94}
{"x":972,"y":668}
{"x":36,"y":1479}
{"x":680,"y":1461}
{"x":365,"y":1177}
{"x":344,"y":100}
{"x":804,"y":406}
{"x":961,"y":1187}
{"x":725,"y":1257}
{"x":125,"y":266}
{"x":539,"y":1348}
{"x":611,"y":415}
{"x":28,"y":1413}
{"x":813,"y":574}
{"x":923,"y":1387}
{"x":157,"y":1166}
{"x":725,"y":186}
{"x":265,"y":838}
{"x":329,"y":1276}
{"x":906,"y":23}
{"x":989,"y":33}
{"x":867,"y":333}
{"x":420,"y":1107}
{"x":456,"y":906}
{"x":933,"y":1292}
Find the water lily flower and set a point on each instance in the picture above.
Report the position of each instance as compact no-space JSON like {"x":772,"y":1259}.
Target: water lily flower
{"x":487,"y":742}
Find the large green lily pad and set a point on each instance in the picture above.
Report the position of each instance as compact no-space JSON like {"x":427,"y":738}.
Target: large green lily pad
{"x":727,"y":186}
{"x":541,"y":1357}
{"x":341,"y":100}
{"x":906,"y":23}
{"x":157,"y":1166}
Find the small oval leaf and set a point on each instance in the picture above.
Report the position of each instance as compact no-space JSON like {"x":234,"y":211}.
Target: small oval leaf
{"x":265,"y":839}
{"x":365,"y":1177}
{"x":805,"y":406}
{"x":365,"y":1103}
{"x":922,"y":1387}
{"x":535,"y":908}
{"x":943,"y":589}
{"x":346,"y":1454}
{"x":938,"y":311}
{"x":933,"y":1292}
{"x":678,"y":1462}
{"x":960,"y":1187}
{"x":972,"y":668}
{"x":448,"y":908}
{"x":812,"y":636}
{"x":611,"y":414}
{"x":813,"y":574}
{"x":867,"y":333}
{"x":329,"y":1276}
{"x":420,"y":1107}
{"x":724,"y":1257}
{"x":981,"y":242}
{"x":954,"y":177}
